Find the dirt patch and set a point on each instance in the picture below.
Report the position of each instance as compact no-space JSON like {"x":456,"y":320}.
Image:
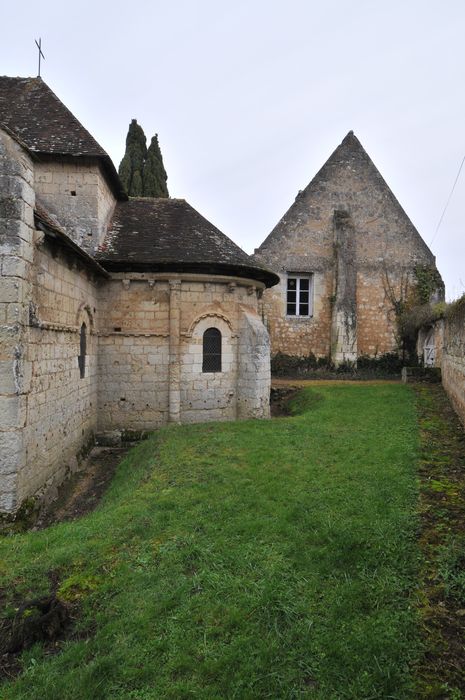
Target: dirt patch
{"x":47,"y":620}
{"x":279,"y":400}
{"x":442,"y":539}
{"x":81,"y":493}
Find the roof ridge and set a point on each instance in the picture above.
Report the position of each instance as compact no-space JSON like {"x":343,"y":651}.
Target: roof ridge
{"x":73,"y":116}
{"x":20,"y":110}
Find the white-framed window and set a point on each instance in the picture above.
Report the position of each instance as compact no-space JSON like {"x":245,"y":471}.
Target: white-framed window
{"x":299,"y":294}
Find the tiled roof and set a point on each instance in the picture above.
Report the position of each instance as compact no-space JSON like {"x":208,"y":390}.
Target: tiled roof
{"x":51,"y":227}
{"x":36,"y":116}
{"x":170,"y":235}
{"x":30,"y":109}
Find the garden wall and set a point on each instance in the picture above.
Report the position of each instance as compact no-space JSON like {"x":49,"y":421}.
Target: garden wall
{"x":453,"y":357}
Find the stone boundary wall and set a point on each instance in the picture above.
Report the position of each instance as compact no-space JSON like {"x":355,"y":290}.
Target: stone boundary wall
{"x":453,"y":358}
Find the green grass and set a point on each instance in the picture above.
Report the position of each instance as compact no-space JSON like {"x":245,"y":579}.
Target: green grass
{"x":258,"y":559}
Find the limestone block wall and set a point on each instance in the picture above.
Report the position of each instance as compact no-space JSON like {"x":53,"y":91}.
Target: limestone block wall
{"x":294,"y":335}
{"x":133,"y":353}
{"x":150,"y":350}
{"x":78,"y":194}
{"x":61,"y":417}
{"x":16,"y":245}
{"x":377,"y":331}
{"x":305,"y":240}
{"x":453,"y":358}
{"x":209,"y":303}
{"x":208,"y":395}
{"x":254,"y":378}
{"x":344,"y":302}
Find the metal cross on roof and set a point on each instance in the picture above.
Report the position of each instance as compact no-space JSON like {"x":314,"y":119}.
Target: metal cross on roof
{"x":41,"y":55}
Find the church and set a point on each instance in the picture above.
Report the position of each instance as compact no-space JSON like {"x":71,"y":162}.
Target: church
{"x":116,"y":316}
{"x":119,"y":315}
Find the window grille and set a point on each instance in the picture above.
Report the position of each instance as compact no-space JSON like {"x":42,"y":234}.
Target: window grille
{"x":211,"y":350}
{"x":298,"y":298}
{"x":82,"y":351}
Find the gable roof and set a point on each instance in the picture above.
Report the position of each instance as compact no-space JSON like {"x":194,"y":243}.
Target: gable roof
{"x":350,"y":155}
{"x":170,"y":235}
{"x":30,"y":109}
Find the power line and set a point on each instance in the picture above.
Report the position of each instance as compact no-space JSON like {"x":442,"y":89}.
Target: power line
{"x":448,"y":200}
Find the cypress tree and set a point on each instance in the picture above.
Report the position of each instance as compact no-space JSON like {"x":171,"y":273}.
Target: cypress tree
{"x":132,"y":166}
{"x":124,"y":171}
{"x":155,"y":176}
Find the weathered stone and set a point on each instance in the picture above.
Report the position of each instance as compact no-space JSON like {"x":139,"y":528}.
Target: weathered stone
{"x":11,"y":452}
{"x":361,"y":261}
{"x":89,"y":353}
{"x":453,"y":357}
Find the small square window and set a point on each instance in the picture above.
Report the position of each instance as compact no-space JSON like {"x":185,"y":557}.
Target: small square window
{"x":299,"y":295}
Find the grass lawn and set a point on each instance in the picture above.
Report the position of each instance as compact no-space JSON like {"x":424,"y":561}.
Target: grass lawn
{"x":258,"y":559}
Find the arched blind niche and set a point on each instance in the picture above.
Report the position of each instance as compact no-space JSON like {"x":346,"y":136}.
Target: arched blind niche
{"x":211,"y":361}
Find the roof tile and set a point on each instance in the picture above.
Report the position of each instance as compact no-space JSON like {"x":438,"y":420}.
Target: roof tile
{"x":169,"y":234}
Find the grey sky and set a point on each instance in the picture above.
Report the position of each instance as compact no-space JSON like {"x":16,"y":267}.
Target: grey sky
{"x":250,"y":98}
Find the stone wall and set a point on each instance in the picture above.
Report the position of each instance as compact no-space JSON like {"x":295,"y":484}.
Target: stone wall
{"x":61,"y":406}
{"x":377,"y":331}
{"x":16,"y":245}
{"x":383,"y":246}
{"x":453,"y":358}
{"x":150,"y":351}
{"x":143,"y":361}
{"x":253,"y":384}
{"x":300,"y":335}
{"x":209,"y":395}
{"x":78,"y":194}
{"x":344,"y":301}
{"x":133,"y":353}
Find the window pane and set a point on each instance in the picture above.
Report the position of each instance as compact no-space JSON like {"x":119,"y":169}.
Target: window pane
{"x":299,"y":295}
{"x":291,"y":310}
{"x":211,"y":361}
{"x":82,"y":351}
{"x":211,"y":345}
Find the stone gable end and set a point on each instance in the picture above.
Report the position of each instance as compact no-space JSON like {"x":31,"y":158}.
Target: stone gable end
{"x":347,"y":232}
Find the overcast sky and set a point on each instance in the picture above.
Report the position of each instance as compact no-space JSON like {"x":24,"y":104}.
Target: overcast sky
{"x":249,"y":98}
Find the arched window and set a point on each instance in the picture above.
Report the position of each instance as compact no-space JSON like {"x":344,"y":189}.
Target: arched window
{"x":211,"y":350}
{"x":82,"y":351}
